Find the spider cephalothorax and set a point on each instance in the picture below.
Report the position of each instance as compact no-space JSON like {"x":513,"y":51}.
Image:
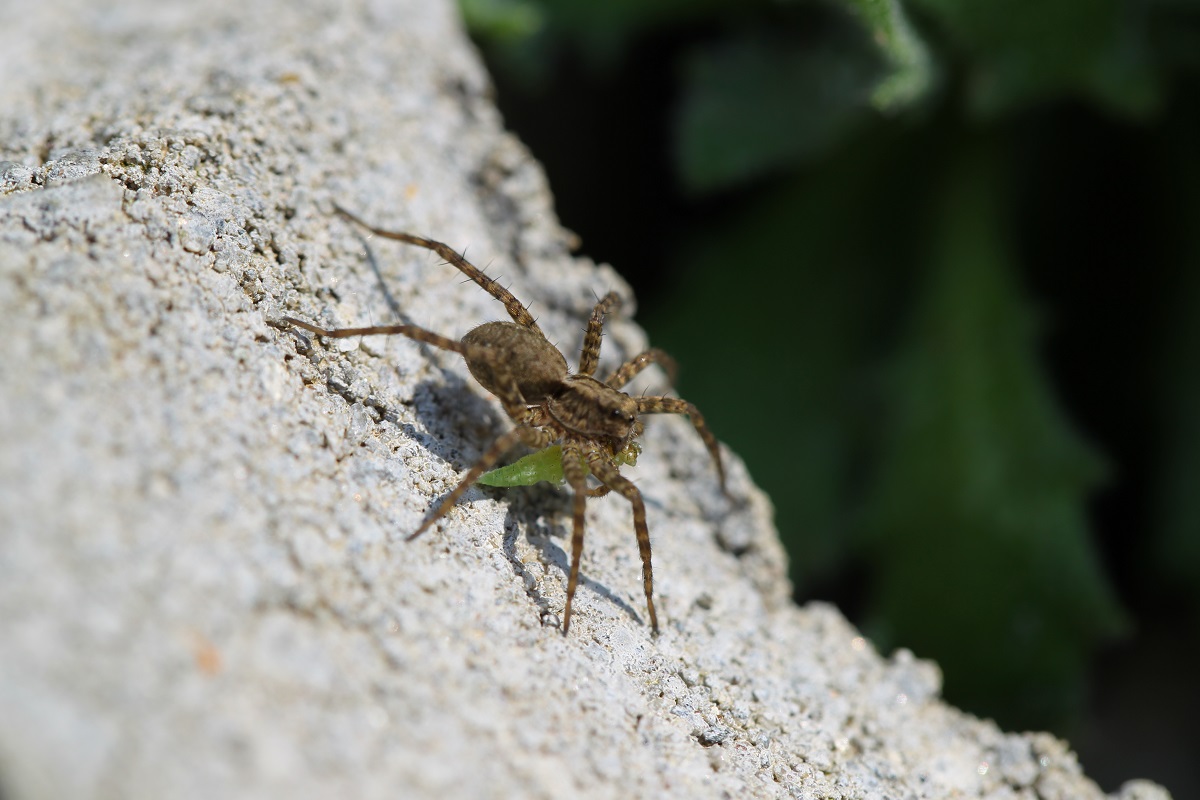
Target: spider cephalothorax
{"x":594,"y":421}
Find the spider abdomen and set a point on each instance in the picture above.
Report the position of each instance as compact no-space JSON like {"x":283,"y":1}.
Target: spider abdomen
{"x":514,"y":350}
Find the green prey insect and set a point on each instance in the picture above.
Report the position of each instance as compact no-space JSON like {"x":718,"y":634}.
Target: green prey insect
{"x":546,"y":465}
{"x":593,"y":422}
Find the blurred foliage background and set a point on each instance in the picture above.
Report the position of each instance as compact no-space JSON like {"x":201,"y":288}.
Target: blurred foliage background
{"x":933,"y":270}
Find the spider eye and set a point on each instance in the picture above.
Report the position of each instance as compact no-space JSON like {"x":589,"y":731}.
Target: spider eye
{"x":616,"y":414}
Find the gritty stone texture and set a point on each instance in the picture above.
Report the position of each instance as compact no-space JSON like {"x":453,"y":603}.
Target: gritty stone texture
{"x":204,"y":585}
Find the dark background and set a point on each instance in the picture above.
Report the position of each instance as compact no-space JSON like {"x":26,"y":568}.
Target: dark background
{"x":933,"y":270}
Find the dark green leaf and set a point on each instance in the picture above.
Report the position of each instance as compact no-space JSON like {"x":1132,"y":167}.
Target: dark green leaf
{"x":977,"y":529}
{"x":763,"y":99}
{"x":1020,"y":52}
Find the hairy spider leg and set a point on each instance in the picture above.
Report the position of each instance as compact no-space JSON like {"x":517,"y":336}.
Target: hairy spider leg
{"x":516,"y":309}
{"x":572,"y":461}
{"x":629,"y":370}
{"x":603,"y":469}
{"x":675,"y":405}
{"x":508,"y":391}
{"x":532,"y":437}
{"x":507,"y":388}
{"x":589,"y":359}
{"x":530,"y":422}
{"x":411,"y":331}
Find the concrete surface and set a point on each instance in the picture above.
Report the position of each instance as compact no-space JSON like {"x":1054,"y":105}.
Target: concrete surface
{"x":204,"y":585}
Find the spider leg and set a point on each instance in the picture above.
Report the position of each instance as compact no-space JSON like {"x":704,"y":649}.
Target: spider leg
{"x":590,"y":357}
{"x":530,"y":436}
{"x":411,"y":331}
{"x":516,"y":309}
{"x":603,"y":469}
{"x":507,"y":388}
{"x":674,"y":405}
{"x":572,"y":461}
{"x":626,"y":372}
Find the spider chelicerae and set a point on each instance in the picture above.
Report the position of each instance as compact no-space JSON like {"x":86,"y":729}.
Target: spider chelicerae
{"x":594,"y":421}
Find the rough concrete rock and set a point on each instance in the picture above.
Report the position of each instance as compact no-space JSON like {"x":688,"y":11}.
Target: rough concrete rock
{"x":204,"y":585}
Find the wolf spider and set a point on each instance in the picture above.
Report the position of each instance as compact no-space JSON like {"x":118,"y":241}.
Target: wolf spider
{"x":594,"y":421}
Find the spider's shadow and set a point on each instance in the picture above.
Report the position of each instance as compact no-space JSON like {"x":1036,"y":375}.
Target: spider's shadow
{"x":528,"y":505}
{"x":388,"y":298}
{"x":543,"y":511}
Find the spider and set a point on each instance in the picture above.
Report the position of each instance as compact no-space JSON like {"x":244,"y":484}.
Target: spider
{"x":594,"y":421}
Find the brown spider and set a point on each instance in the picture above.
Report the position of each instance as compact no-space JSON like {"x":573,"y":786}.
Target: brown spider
{"x":595,"y":421}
